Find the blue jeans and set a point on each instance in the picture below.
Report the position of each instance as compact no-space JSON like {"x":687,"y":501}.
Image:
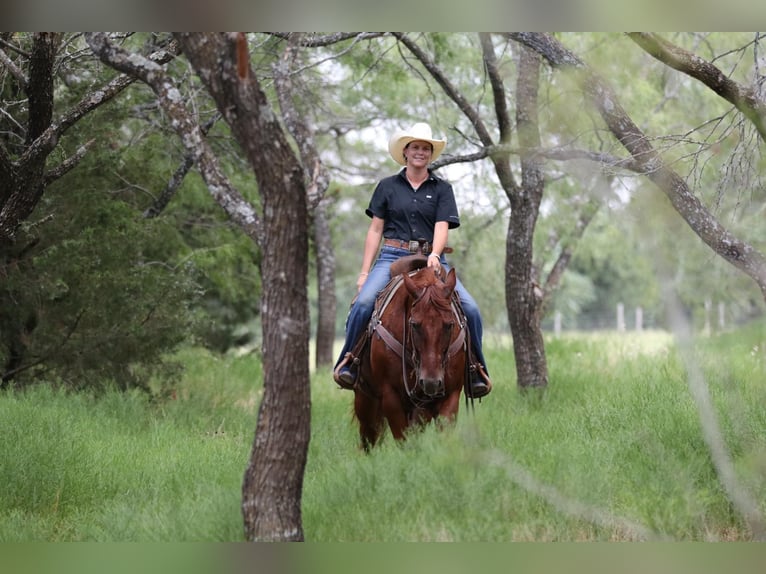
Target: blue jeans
{"x":380,"y":274}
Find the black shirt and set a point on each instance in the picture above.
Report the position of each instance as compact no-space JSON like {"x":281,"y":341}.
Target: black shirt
{"x":410,"y":214}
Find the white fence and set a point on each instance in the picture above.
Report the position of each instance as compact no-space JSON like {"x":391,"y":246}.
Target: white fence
{"x":620,"y":323}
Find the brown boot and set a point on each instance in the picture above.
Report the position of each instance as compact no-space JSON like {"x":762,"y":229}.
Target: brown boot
{"x":481,"y":386}
{"x":345,"y":373}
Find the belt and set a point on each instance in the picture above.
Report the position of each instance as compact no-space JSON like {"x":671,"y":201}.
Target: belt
{"x":423,"y":247}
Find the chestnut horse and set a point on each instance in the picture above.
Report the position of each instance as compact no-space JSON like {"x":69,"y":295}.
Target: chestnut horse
{"x":416,"y":365}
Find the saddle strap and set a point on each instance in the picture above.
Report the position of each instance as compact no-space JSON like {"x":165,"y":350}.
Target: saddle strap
{"x":457,"y":344}
{"x":392,"y":342}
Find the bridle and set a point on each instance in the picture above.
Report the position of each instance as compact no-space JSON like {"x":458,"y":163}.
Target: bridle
{"x":412,"y":359}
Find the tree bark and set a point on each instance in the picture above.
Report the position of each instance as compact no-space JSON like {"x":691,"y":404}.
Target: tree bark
{"x":273,"y":481}
{"x":326,"y":299}
{"x":524,"y":298}
{"x":318,"y":180}
{"x":23,"y":181}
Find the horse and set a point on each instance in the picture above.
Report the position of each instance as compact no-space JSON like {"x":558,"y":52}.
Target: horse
{"x":415,"y":367}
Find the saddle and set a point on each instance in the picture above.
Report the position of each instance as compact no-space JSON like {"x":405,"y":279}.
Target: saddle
{"x":408,"y":264}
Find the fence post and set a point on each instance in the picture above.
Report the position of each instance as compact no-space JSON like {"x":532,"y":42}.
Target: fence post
{"x":721,"y":315}
{"x":557,"y":323}
{"x":620,"y":317}
{"x":639,"y":319}
{"x":708,"y":307}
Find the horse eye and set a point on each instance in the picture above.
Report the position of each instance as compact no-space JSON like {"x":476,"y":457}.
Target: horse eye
{"x":448,"y":326}
{"x":415,"y":326}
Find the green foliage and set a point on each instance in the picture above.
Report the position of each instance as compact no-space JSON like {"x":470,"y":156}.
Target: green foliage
{"x":94,"y":292}
{"x":613,"y":451}
{"x":608,"y":267}
{"x":225,"y":263}
{"x":97,"y":306}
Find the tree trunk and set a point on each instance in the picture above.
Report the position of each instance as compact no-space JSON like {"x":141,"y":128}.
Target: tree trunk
{"x":273,"y":481}
{"x":524,"y":298}
{"x":326,"y":301}
{"x":318,"y":181}
{"x":23,"y":184}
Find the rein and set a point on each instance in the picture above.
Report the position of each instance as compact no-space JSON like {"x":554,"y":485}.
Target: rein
{"x":399,"y":347}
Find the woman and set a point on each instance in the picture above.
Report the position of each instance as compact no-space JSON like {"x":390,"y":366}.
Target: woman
{"x":411,"y":209}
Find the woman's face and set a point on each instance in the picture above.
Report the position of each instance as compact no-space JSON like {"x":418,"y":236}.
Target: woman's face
{"x":418,"y":153}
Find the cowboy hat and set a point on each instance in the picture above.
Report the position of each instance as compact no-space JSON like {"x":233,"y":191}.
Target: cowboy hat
{"x":419,"y":132}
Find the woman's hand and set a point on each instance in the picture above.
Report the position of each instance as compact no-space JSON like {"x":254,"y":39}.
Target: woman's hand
{"x":433,"y":261}
{"x":360,"y":281}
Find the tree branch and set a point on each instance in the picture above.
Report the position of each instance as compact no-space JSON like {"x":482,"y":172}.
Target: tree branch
{"x":498,"y":90}
{"x":68,"y":164}
{"x":48,"y":139}
{"x":316,"y":175}
{"x":323,"y":40}
{"x":740,"y":254}
{"x":743,"y":98}
{"x":500,"y":162}
{"x":449,"y":88}
{"x":151,"y":73}
{"x":162,"y":201}
{"x":15,"y":71}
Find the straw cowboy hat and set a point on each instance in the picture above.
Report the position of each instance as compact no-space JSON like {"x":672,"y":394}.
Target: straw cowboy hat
{"x":420,"y":132}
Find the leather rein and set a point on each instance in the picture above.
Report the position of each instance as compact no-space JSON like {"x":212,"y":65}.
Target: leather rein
{"x":399,"y":347}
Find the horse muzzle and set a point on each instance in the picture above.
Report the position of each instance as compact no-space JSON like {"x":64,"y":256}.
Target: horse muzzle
{"x":433,"y":388}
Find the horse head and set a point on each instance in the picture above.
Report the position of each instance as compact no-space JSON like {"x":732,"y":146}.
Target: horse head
{"x":430,"y":326}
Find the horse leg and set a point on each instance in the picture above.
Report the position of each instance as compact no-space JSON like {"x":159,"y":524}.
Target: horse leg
{"x":448,"y":408}
{"x":394,"y":412}
{"x":370,"y":418}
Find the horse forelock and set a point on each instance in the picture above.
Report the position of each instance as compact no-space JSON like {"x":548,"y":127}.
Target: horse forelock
{"x":434,"y":293}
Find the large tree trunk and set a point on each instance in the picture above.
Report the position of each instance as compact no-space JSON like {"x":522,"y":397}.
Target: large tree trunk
{"x":524,"y":298}
{"x":273,"y":481}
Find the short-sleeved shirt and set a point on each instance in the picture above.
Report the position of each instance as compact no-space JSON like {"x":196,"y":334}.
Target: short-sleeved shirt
{"x":409,"y":214}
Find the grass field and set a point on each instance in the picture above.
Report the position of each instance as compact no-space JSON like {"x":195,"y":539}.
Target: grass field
{"x":613,"y":451}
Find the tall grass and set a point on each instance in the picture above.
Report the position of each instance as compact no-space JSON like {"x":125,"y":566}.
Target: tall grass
{"x":613,"y":450}
{"x":123,"y":468}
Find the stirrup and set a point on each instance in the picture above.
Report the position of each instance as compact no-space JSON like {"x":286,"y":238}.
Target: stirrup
{"x":342,"y":379}
{"x":479,"y":375}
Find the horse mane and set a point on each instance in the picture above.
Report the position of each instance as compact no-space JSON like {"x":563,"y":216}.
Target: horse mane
{"x":432,"y":293}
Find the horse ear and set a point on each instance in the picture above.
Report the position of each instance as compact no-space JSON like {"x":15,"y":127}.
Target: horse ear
{"x":410,"y":284}
{"x":451,"y":279}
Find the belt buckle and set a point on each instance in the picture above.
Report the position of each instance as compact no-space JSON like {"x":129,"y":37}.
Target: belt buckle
{"x":413,"y":246}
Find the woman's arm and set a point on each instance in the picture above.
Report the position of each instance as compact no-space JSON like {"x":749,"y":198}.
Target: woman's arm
{"x":441,"y":230}
{"x":371,"y":246}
